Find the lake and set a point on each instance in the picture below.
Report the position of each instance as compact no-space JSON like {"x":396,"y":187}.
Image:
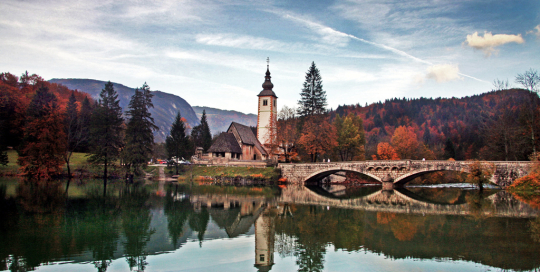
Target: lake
{"x":198,"y":227}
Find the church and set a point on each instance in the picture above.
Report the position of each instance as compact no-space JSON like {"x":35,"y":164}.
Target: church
{"x":241,"y":142}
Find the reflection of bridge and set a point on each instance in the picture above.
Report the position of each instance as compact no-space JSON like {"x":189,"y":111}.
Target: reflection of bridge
{"x":403,"y":201}
{"x":395,"y":173}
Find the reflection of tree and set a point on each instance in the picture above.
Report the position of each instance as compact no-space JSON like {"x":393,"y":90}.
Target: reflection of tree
{"x":136,"y":220}
{"x":198,"y":222}
{"x":100,"y":229}
{"x":177,"y":214}
{"x":310,"y":256}
{"x":40,"y":197}
{"x":535,"y":229}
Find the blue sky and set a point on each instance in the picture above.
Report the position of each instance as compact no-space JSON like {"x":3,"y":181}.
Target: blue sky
{"x":213,"y":53}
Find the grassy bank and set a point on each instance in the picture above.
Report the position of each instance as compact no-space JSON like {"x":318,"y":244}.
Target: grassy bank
{"x":79,"y":166}
{"x":208,"y":172}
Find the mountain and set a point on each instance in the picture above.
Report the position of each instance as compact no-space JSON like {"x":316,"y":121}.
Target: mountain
{"x":219,"y":120}
{"x":165,"y":105}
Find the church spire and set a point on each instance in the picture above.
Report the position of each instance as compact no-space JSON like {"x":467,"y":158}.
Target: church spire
{"x":267,"y":85}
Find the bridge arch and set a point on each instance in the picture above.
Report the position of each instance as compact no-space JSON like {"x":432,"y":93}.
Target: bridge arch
{"x":402,"y":180}
{"x":327,"y":172}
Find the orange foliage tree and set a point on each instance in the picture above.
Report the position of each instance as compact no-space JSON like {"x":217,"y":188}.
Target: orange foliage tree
{"x":44,"y":138}
{"x":405,"y":143}
{"x":318,"y":136}
{"x":386,"y":152}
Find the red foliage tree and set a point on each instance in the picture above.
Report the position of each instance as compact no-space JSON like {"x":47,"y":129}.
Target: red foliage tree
{"x":386,"y":152}
{"x":44,"y":139}
{"x":318,"y":136}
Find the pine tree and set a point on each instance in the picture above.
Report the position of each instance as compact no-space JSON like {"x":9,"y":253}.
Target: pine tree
{"x":140,"y":130}
{"x":313,"y":97}
{"x":3,"y":157}
{"x":177,"y":143}
{"x":106,"y":130}
{"x":201,"y":135}
{"x":85,"y":115}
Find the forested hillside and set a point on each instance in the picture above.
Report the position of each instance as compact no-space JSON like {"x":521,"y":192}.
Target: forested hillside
{"x":165,"y":105}
{"x":491,"y":126}
{"x":220,"y":120}
{"x":15,"y":97}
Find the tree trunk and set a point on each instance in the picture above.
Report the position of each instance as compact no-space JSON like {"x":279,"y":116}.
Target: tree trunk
{"x":105,"y":179}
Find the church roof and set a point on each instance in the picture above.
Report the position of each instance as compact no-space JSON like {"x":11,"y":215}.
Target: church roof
{"x":267,"y":85}
{"x":247,"y":136}
{"x":225,"y":142}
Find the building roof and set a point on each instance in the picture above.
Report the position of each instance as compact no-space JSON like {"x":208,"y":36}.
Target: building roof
{"x":225,"y":142}
{"x":247,"y":137}
{"x":267,"y":85}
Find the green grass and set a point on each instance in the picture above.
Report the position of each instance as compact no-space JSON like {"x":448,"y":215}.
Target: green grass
{"x":267,"y":173}
{"x":12,"y":167}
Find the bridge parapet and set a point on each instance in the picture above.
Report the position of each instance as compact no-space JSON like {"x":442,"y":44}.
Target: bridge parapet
{"x":401,"y":172}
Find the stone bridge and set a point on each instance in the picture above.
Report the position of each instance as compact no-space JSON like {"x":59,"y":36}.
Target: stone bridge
{"x":397,"y":173}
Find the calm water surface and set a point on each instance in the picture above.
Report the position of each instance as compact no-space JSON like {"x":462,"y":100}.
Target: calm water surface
{"x":289,"y":228}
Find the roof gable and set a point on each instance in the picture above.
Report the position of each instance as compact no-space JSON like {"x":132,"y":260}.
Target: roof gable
{"x":247,"y":136}
{"x":225,"y":142}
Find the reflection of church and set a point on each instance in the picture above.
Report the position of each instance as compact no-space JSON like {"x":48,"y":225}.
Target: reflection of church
{"x":241,"y":142}
{"x":237,"y":214}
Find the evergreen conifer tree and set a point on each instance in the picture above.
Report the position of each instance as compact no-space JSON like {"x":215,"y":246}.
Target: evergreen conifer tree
{"x":140,"y":130}
{"x":106,"y":130}
{"x":201,"y":135}
{"x":313,"y":97}
{"x":85,"y":115}
{"x":177,"y":143}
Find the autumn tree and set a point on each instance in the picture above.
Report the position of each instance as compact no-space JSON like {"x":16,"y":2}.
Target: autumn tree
{"x":313,"y":97}
{"x":140,"y":130}
{"x":530,"y":80}
{"x":404,"y":142}
{"x":43,"y":143}
{"x":287,"y":134}
{"x":177,"y":143}
{"x":350,"y":137}
{"x":479,"y":174}
{"x":201,"y":135}
{"x":106,"y":131}
{"x":386,"y":152}
{"x":318,"y":136}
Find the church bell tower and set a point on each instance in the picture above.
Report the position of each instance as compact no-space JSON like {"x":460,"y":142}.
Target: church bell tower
{"x":267,"y":114}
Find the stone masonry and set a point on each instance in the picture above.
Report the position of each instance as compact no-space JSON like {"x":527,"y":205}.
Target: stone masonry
{"x":398,"y":173}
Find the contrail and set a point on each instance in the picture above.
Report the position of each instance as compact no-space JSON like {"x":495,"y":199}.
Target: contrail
{"x":322,"y":29}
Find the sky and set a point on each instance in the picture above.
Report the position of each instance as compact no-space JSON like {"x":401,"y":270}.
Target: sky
{"x":213,"y":53}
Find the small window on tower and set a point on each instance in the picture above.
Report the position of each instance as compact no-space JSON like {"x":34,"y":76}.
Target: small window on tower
{"x":265,"y":102}
{"x":274,"y":103}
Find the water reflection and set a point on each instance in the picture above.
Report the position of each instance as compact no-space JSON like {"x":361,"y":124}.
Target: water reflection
{"x":133,"y":222}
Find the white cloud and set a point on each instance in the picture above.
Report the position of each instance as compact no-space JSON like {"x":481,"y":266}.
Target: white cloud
{"x":238,"y":41}
{"x":490,"y":41}
{"x":443,"y":72}
{"x":535,"y":31}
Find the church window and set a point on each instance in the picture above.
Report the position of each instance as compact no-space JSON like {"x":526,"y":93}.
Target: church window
{"x":265,"y":102}
{"x":261,"y":258}
{"x":274,"y":103}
